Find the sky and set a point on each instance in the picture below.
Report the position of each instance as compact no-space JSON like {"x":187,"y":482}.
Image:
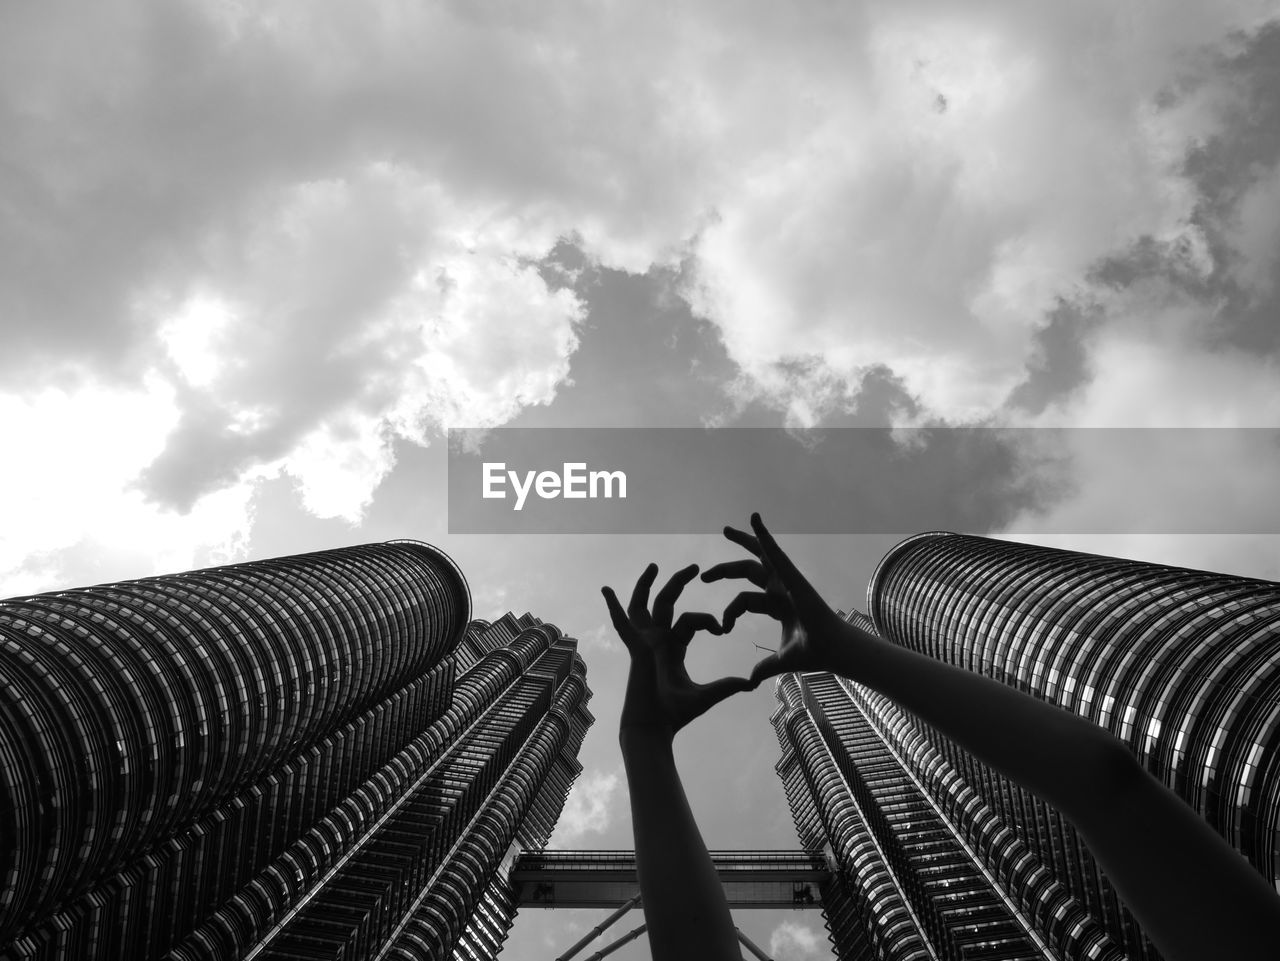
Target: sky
{"x":256,"y":259}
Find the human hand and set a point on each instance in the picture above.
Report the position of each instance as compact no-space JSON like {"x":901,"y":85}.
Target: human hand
{"x":660,"y":694}
{"x":810,"y":628}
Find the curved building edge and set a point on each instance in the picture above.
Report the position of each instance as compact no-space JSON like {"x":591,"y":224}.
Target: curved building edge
{"x":892,"y":557}
{"x":464,"y":588}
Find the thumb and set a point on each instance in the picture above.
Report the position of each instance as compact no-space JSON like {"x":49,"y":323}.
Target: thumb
{"x":768,"y":666}
{"x":709,"y":695}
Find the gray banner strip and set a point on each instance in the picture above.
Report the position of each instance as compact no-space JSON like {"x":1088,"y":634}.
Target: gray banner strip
{"x":829,"y":480}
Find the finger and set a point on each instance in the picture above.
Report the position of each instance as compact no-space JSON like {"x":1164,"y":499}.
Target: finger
{"x":640,"y":596}
{"x":789,"y":574}
{"x":768,"y":666}
{"x":690,"y":622}
{"x":751,"y":570}
{"x":664,"y":605}
{"x":745,"y":540}
{"x":709,"y":695}
{"x":752,"y":602}
{"x":617,"y":615}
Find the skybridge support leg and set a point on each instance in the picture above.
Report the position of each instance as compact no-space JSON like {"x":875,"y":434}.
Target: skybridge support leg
{"x":610,"y":948}
{"x":599,"y":929}
{"x":751,"y":946}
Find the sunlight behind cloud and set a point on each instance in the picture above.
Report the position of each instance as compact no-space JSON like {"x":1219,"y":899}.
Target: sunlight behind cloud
{"x":369,"y":307}
{"x":81,"y":448}
{"x":339,"y":465}
{"x":77,"y":497}
{"x":194,"y":338}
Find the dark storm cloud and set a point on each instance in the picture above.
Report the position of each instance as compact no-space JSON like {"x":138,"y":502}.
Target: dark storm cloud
{"x":645,"y":358}
{"x":642,"y":357}
{"x":1225,"y":169}
{"x":1059,"y":364}
{"x":1239,"y":289}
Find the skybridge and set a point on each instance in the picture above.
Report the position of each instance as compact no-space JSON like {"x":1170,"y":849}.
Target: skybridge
{"x":607,"y":879}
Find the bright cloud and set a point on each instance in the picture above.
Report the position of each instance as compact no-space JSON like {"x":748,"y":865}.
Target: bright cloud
{"x":72,"y":493}
{"x":193,"y":338}
{"x":793,"y":941}
{"x":588,"y":809}
{"x":967,"y":173}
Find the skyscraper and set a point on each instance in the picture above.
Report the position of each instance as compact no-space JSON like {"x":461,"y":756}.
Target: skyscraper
{"x":274,"y":759}
{"x":1182,"y":665}
{"x":906,"y":883}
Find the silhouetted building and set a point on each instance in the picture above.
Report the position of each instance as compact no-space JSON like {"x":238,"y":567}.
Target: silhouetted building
{"x":273,"y":759}
{"x":1182,"y":665}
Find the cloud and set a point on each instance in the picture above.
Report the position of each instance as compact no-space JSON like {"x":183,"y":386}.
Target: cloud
{"x":153,"y":145}
{"x":943,"y":244}
{"x":1059,"y":360}
{"x":1259,"y":234}
{"x":588,"y":809}
{"x":1152,"y":367}
{"x":333,"y":349}
{"x":603,"y":637}
{"x":1118,"y":492}
{"x":821,"y":127}
{"x":310,"y":232}
{"x":792,"y":941}
{"x":295,"y":353}
{"x":1175,"y":337}
{"x":1181,"y":332}
{"x":68,"y":491}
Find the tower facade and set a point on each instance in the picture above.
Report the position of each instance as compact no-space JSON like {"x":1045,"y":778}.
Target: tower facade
{"x":906,"y":883}
{"x":1182,"y":665}
{"x":300,"y":757}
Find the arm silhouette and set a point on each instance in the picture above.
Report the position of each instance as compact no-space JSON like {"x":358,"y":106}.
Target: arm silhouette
{"x":1194,"y":895}
{"x":684,"y":903}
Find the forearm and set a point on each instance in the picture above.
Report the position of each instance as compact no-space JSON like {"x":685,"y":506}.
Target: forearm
{"x":684,"y":902}
{"x":1042,"y":747}
{"x":1194,"y":894}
